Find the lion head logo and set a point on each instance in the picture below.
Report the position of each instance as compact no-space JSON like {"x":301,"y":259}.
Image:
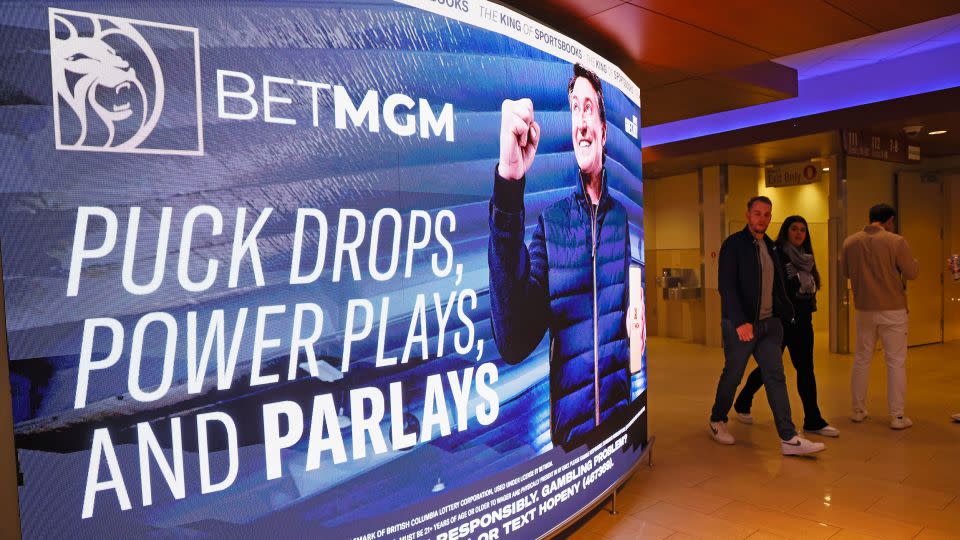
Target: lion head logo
{"x":99,"y":85}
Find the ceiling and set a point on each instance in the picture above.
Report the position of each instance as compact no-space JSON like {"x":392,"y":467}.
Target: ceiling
{"x":803,"y":138}
{"x":816,"y":145}
{"x":697,"y":57}
{"x":789,"y":150}
{"x":934,"y":146}
{"x":880,"y":47}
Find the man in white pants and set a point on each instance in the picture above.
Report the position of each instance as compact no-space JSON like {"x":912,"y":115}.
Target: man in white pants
{"x":877,"y":261}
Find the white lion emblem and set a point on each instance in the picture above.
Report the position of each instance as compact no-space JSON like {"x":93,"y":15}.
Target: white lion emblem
{"x":103,"y":81}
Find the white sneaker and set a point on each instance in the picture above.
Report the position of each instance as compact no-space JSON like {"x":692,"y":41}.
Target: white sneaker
{"x":858,"y":416}
{"x":825,"y":431}
{"x":900,"y":422}
{"x":718,"y":430}
{"x":744,"y":418}
{"x":955,"y":417}
{"x":798,"y":446}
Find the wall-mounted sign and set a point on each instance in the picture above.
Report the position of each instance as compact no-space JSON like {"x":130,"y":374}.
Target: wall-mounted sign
{"x":791,"y":174}
{"x":865,"y":144}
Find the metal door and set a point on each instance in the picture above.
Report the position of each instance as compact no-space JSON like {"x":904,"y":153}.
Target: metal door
{"x":920,"y":221}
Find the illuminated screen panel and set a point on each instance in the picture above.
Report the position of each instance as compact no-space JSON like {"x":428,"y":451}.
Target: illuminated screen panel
{"x":271,"y":270}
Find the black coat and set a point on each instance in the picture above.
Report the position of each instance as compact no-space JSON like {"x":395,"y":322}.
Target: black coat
{"x":740,"y":280}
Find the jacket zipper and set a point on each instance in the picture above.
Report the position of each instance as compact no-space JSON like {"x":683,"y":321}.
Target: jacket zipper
{"x":596,"y":345}
{"x":759,"y":283}
{"x":776,"y":271}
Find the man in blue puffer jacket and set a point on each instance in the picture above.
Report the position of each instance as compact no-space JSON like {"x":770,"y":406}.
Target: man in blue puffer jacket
{"x":572,"y":278}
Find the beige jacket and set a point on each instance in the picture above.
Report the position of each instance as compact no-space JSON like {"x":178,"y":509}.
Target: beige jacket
{"x":877,"y":261}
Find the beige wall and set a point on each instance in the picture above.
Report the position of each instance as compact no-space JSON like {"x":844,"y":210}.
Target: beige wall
{"x":948,"y":169}
{"x":742,"y":183}
{"x":673,"y":239}
{"x":951,"y":288}
{"x":676,"y":209}
{"x":869,"y":182}
{"x":713,"y":234}
{"x":672,"y":222}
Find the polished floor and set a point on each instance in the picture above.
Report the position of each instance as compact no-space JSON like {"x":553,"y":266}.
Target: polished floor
{"x":871,"y":482}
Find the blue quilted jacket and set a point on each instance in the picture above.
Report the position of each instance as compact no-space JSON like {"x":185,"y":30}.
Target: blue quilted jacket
{"x":550,"y":286}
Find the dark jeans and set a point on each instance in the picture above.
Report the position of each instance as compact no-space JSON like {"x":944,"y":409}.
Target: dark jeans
{"x":798,"y":338}
{"x":765,"y":348}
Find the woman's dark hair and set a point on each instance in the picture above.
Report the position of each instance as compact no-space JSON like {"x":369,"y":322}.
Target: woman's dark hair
{"x":783,"y":238}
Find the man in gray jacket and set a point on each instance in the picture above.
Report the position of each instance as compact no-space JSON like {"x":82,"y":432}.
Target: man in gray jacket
{"x":877,"y":260}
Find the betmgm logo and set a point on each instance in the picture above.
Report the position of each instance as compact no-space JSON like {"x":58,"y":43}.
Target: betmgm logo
{"x":113,"y":91}
{"x":632,"y":126}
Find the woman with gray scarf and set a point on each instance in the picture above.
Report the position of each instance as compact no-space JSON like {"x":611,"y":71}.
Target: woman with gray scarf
{"x":803,"y":282}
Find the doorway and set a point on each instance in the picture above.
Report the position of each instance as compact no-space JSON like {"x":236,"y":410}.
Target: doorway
{"x":920,"y":221}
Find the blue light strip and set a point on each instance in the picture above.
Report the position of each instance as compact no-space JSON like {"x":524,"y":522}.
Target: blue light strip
{"x":926,"y":71}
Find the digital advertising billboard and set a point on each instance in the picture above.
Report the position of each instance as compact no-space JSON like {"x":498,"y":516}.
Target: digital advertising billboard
{"x":349,"y":270}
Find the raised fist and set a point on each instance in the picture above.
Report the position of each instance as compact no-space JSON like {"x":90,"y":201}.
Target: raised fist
{"x":519,"y":137}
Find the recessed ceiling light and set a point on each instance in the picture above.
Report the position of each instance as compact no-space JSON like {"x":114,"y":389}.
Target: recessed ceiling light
{"x":937,"y":132}
{"x":825,"y":169}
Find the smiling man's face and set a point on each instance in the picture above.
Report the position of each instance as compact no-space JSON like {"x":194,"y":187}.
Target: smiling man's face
{"x":589,"y":132}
